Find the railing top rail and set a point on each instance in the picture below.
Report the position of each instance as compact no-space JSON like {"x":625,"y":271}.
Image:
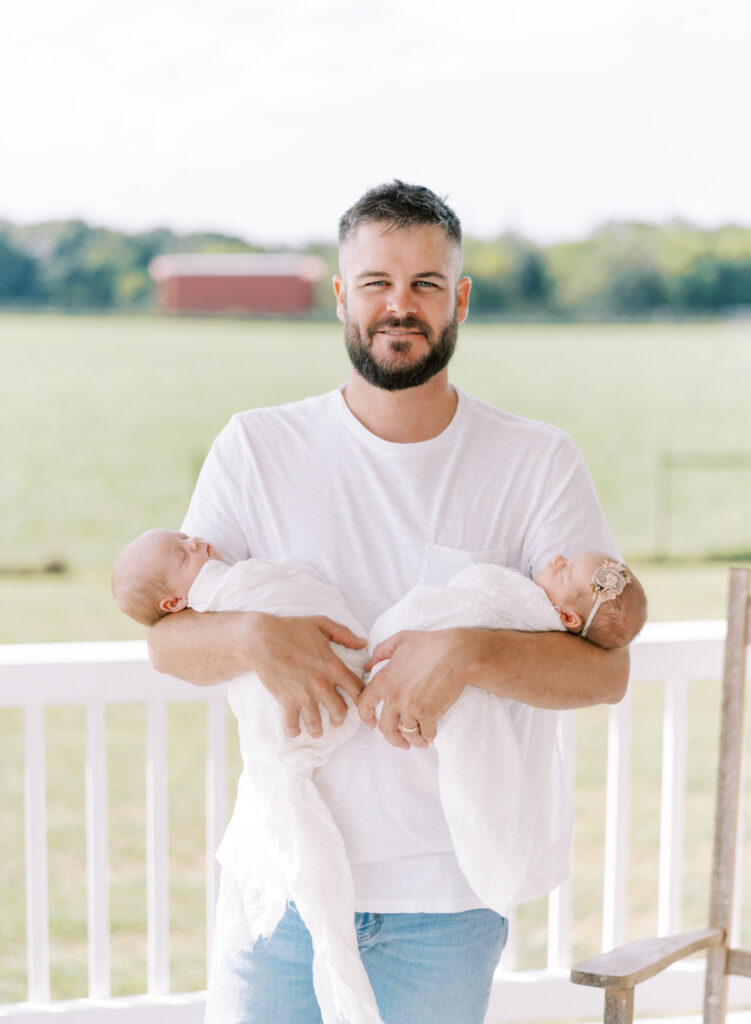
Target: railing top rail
{"x":82,"y":674}
{"x":85,"y":653}
{"x":103,"y":651}
{"x":119,"y":671}
{"x":686,"y":630}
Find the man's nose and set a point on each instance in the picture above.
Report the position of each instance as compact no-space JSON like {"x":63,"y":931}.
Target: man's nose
{"x":401,"y":301}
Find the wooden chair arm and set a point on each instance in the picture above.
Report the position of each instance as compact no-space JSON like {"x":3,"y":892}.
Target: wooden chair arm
{"x":626,"y":966}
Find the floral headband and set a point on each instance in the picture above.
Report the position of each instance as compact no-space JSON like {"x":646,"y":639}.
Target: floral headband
{"x":607,"y":583}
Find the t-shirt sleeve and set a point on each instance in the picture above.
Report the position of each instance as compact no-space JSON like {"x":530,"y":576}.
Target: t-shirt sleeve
{"x":569,"y":518}
{"x":216,"y":508}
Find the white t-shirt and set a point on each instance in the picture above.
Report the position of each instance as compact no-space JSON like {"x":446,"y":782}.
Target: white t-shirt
{"x":309,"y":481}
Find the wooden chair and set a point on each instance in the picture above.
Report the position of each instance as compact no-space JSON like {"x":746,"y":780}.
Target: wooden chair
{"x":619,"y":971}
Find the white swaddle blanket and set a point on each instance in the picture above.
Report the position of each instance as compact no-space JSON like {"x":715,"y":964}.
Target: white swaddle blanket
{"x":500,"y":771}
{"x":281,"y":843}
{"x":500,"y":776}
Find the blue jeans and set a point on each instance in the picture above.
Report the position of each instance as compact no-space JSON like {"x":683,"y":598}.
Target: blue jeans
{"x":424,"y":969}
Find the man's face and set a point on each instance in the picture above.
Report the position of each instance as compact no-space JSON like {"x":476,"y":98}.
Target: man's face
{"x":401,"y":300}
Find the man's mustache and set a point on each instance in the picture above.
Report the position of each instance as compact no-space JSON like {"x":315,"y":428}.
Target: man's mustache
{"x":407,"y":323}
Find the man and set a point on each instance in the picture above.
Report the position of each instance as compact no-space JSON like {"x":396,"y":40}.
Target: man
{"x":393,"y":480}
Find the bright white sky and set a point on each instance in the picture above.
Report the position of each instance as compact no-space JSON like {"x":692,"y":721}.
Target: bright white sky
{"x":267,"y":120}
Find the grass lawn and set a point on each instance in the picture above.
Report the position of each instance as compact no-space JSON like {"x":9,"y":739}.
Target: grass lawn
{"x":104,"y":422}
{"x":103,"y":425}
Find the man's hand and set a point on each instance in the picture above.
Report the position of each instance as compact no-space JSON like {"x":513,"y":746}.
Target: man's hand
{"x":294,"y":661}
{"x":424,"y":677}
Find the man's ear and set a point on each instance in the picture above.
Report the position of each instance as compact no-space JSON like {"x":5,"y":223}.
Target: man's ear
{"x":173,"y":604}
{"x":463,"y":289}
{"x":341,"y":304}
{"x":571,"y":620}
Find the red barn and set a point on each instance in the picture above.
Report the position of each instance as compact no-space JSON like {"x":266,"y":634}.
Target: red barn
{"x":236,"y":282}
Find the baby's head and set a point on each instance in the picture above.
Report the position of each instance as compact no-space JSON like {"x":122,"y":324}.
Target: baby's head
{"x":153,"y":574}
{"x":595,"y":596}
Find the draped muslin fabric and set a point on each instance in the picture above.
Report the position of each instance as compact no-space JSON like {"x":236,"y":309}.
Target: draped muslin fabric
{"x":500,"y":769}
{"x":281,"y":843}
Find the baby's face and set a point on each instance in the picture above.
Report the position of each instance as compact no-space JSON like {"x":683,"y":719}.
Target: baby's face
{"x":564,"y":579}
{"x":180,"y":558}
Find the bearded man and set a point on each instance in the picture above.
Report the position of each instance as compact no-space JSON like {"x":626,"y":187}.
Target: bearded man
{"x":396,"y":478}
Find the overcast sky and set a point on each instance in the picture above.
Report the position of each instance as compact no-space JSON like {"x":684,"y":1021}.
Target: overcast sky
{"x":267,"y":120}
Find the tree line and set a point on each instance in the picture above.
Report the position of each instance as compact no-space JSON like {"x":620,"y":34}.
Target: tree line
{"x":628,"y":270}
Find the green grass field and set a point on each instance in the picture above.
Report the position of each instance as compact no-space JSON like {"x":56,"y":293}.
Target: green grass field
{"x":103,"y":425}
{"x":104,"y":422}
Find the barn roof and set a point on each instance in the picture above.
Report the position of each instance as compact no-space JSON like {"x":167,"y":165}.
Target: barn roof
{"x":237,"y":264}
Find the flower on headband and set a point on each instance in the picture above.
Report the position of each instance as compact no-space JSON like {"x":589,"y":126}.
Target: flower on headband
{"x":608,"y":581}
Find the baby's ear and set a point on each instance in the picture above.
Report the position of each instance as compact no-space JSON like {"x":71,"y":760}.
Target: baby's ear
{"x":571,"y":619}
{"x":173,"y":604}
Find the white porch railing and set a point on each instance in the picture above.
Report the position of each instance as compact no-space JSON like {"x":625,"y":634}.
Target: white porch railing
{"x":95,"y":675}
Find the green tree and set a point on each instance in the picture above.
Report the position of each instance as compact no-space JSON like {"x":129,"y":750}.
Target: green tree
{"x":635,"y":290}
{"x":711,"y":285}
{"x":529,"y":282}
{"x":487,"y":296}
{"x":18,"y":272}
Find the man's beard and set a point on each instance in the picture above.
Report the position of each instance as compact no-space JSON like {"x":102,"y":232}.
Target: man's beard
{"x":391,"y":375}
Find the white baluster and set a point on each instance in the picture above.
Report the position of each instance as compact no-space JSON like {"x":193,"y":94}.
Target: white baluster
{"x":216,"y":805}
{"x":157,"y":865}
{"x":560,"y":904}
{"x":617,"y":824}
{"x":97,"y":852}
{"x":37,"y":900}
{"x":672,"y":808}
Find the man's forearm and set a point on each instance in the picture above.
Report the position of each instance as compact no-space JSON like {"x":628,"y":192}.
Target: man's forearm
{"x":550,"y":669}
{"x":427,"y":672}
{"x":203,"y":648}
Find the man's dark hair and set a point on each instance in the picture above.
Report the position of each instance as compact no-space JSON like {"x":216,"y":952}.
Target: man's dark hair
{"x":402,"y":206}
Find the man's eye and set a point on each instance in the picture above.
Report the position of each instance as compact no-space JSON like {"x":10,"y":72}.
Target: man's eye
{"x":426,"y":284}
